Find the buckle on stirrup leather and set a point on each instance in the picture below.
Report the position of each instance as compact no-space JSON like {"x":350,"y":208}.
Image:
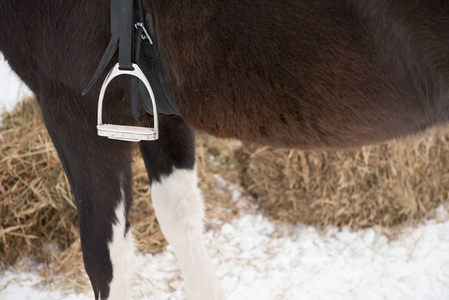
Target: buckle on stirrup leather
{"x":121,"y":132}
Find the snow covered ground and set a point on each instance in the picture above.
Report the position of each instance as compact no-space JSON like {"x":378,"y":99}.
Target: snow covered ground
{"x":256,"y":259}
{"x":11,"y":88}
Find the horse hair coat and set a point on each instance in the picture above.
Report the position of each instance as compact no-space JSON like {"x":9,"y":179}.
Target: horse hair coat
{"x":307,"y":74}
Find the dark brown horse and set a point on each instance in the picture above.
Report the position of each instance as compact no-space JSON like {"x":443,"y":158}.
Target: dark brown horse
{"x":291,"y":73}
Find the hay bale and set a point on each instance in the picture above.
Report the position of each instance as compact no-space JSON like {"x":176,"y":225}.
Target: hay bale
{"x":34,"y":193}
{"x":381,"y":185}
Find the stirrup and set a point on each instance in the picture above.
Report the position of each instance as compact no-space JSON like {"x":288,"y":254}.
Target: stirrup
{"x":122,"y":132}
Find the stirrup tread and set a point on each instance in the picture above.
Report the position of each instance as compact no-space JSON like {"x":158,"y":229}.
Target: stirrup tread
{"x":127,"y":133}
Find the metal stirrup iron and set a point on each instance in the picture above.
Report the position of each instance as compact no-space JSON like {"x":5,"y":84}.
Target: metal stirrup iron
{"x":121,"y":132}
{"x":122,"y":28}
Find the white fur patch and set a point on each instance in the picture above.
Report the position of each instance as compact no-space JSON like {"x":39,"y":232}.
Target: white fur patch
{"x":121,"y":251}
{"x":179,"y":209}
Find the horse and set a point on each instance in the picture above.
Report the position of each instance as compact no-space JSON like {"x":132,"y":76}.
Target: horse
{"x":308,"y":74}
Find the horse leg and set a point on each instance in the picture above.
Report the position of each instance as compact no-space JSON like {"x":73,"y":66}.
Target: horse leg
{"x":170,"y":162}
{"x":99,"y":171}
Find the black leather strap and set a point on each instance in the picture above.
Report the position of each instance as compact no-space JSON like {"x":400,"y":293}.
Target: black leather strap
{"x":126,"y":34}
{"x":115,"y":17}
{"x":113,"y":44}
{"x":121,"y":36}
{"x":150,"y":63}
{"x":135,"y":82}
{"x":139,"y":49}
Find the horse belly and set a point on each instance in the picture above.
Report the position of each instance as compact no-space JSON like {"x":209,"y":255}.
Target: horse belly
{"x":316,"y":74}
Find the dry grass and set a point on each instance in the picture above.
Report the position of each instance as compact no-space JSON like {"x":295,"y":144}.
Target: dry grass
{"x":379,"y":185}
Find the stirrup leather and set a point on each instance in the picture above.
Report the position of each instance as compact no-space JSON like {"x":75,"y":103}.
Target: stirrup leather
{"x":121,"y":132}
{"x":131,"y":26}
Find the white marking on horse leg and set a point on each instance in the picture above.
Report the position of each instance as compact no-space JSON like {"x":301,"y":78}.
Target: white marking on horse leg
{"x":179,"y":209}
{"x":121,"y":251}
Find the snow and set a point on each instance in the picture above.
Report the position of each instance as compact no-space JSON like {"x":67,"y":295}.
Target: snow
{"x":11,"y":87}
{"x":256,"y":259}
